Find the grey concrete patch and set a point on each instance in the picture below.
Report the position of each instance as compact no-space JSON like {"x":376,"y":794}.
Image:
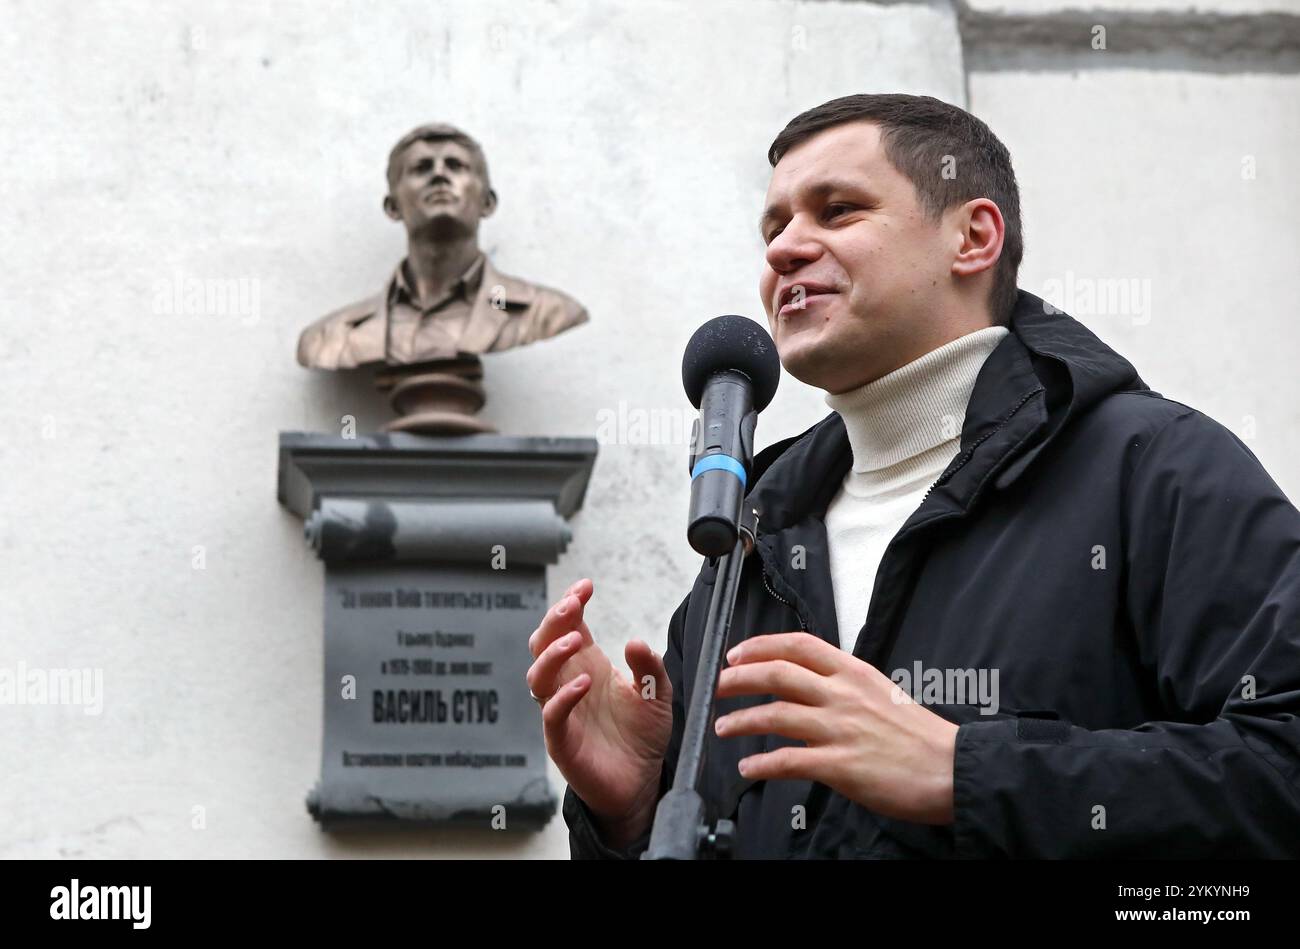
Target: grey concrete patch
{"x":1187,"y":41}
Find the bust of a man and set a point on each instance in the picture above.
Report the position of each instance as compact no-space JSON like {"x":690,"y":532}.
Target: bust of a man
{"x":445,"y":303}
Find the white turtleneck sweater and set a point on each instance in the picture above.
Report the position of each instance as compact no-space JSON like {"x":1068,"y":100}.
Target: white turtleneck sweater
{"x":904,"y":429}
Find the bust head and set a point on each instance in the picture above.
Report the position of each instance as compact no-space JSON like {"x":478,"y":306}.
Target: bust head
{"x":440,"y":190}
{"x":438,"y":184}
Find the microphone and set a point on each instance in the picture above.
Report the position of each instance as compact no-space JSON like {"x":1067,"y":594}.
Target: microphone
{"x":730,"y":371}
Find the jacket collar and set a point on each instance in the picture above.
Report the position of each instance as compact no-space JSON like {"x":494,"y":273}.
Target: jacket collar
{"x":1047,"y":370}
{"x":466,"y":286}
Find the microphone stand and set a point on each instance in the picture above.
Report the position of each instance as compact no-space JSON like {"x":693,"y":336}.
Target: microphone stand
{"x":681,"y":830}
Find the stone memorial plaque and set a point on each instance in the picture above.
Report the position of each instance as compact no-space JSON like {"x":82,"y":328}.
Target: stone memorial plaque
{"x":435,"y":553}
{"x":427,"y":713}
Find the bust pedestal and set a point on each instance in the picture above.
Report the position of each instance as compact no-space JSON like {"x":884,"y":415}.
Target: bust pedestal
{"x":442,"y":397}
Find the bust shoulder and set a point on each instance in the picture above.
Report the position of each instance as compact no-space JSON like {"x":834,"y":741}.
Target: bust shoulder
{"x":320,"y":343}
{"x":557,"y":311}
{"x":545,"y":310}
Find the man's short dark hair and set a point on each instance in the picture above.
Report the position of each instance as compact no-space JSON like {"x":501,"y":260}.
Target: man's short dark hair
{"x":923,"y":136}
{"x":436,"y":132}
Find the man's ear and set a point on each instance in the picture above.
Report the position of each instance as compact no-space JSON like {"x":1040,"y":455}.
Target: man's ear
{"x":981,"y":228}
{"x":390,"y":208}
{"x":489,"y":203}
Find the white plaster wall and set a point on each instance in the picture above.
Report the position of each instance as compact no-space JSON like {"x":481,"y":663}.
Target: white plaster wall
{"x":1145,"y":176}
{"x":149,"y":141}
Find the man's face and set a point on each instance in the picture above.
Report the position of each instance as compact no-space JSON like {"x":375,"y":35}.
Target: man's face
{"x":854,"y":276}
{"x":438,"y":190}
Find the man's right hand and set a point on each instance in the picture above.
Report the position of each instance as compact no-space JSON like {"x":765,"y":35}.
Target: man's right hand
{"x":607,"y":734}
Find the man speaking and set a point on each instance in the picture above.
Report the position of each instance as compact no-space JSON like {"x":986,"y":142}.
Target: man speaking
{"x":1004,"y":601}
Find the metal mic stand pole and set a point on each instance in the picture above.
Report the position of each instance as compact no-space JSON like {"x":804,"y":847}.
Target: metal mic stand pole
{"x":681,"y":830}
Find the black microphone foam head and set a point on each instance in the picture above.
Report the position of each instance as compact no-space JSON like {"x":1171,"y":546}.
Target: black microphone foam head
{"x":735,"y":343}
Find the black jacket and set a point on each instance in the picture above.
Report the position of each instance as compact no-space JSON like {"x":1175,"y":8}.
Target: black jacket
{"x":1124,"y":563}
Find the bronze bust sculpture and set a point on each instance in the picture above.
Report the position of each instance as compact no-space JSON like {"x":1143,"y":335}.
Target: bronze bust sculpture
{"x":446,"y":303}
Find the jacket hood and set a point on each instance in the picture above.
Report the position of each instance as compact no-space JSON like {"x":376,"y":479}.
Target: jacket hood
{"x":1048,"y":370}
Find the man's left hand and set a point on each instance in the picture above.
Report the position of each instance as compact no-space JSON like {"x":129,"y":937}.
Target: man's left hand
{"x":865,"y":737}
